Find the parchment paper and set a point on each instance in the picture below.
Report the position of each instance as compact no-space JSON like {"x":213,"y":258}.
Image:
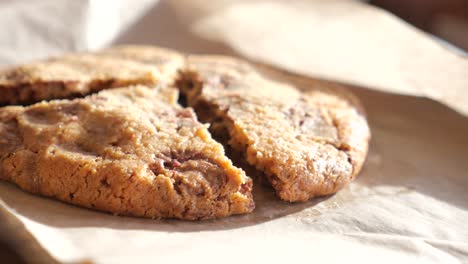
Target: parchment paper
{"x":409,"y":204}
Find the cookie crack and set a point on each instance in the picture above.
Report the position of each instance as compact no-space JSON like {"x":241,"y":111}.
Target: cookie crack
{"x":192,"y":84}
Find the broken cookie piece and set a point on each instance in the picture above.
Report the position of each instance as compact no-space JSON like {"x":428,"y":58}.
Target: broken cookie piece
{"x":128,"y":151}
{"x":306,"y":144}
{"x":79,"y":74}
{"x":134,"y":151}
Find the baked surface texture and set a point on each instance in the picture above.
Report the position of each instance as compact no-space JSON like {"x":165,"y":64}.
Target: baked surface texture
{"x":306,"y":144}
{"x":79,"y":74}
{"x":130,"y":151}
{"x":135,"y":151}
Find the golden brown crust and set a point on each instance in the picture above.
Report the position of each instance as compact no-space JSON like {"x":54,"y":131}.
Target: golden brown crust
{"x":307,"y":144}
{"x":79,"y":74}
{"x":129,"y":151}
{"x":135,"y":151}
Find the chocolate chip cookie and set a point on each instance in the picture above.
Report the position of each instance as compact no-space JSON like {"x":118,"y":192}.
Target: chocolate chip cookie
{"x":134,"y":150}
{"x":79,"y":74}
{"x":130,"y":151}
{"x":306,"y":144}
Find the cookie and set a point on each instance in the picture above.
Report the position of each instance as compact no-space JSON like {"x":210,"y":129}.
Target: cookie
{"x":79,"y":74}
{"x":128,"y":151}
{"x":135,"y":151}
{"x":306,"y":144}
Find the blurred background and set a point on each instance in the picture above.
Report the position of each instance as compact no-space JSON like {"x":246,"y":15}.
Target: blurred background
{"x":447,"y":19}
